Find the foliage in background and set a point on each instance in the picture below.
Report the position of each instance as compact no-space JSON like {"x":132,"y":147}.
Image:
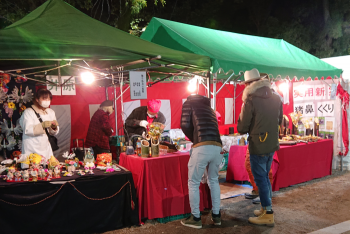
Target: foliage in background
{"x":320,"y":27}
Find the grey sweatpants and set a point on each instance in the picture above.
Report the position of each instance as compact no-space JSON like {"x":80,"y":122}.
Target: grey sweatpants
{"x":200,"y":158}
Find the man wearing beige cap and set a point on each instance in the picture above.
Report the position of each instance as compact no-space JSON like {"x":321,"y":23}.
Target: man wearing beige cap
{"x":100,"y":129}
{"x":260,"y":116}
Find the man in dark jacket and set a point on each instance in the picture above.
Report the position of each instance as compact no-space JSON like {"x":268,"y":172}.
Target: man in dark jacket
{"x":260,"y":116}
{"x":138,"y":120}
{"x":199,"y":124}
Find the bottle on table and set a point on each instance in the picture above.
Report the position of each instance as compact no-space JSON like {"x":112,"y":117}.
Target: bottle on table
{"x":138,"y":147}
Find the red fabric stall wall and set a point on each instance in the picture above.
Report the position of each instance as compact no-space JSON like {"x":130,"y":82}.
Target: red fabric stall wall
{"x":175,"y":92}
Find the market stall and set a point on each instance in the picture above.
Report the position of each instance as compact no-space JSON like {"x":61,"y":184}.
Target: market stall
{"x":54,"y":46}
{"x":291,"y":165}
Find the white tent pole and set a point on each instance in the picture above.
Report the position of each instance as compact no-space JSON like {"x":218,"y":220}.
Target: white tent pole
{"x":234,"y":103}
{"x":214,"y":92}
{"x":106,"y":93}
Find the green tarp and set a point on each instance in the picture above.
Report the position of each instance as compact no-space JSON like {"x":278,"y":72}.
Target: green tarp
{"x":237,"y":52}
{"x":58,"y":31}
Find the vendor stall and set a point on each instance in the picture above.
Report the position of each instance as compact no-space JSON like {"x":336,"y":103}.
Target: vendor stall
{"x":292,"y":164}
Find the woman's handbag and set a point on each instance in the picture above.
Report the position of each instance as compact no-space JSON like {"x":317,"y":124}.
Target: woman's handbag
{"x":52,"y":139}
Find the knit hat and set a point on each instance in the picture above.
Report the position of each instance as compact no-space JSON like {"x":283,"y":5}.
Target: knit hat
{"x":154,"y":105}
{"x":106,"y":103}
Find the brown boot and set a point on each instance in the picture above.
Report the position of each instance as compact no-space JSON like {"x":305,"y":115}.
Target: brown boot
{"x":263,"y":219}
{"x":258,"y":212}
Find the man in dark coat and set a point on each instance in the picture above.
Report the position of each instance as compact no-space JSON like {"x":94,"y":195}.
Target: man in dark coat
{"x":138,"y":120}
{"x":199,"y":124}
{"x":261,"y":114}
{"x":100,"y":129}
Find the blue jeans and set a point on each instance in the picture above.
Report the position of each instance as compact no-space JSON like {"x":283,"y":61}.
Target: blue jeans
{"x":200,"y":158}
{"x":261,"y":165}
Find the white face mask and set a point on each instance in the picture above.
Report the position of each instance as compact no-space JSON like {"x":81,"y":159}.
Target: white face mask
{"x":45,"y":104}
{"x":151,"y":116}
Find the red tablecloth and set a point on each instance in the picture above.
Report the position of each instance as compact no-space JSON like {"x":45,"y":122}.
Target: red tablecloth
{"x":161,"y":184}
{"x":296,"y":163}
{"x":236,"y":168}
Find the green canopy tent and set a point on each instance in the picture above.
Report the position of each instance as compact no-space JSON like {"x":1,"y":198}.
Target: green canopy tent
{"x":56,"y":31}
{"x":232,"y":53}
{"x":238,"y":52}
{"x":58,"y":38}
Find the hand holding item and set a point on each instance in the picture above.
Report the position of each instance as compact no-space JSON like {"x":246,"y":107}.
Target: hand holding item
{"x":54,"y":124}
{"x":143,"y":123}
{"x":46,"y":124}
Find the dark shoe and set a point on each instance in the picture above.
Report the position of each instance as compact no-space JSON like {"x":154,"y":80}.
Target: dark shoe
{"x":256,"y":200}
{"x":252,"y":195}
{"x":216,"y":218}
{"x":192,"y":222}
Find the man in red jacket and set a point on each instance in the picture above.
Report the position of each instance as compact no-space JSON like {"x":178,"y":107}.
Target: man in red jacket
{"x":100,"y":129}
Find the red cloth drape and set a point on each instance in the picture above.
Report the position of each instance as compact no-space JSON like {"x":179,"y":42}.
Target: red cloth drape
{"x":162,"y":185}
{"x":344,"y":97}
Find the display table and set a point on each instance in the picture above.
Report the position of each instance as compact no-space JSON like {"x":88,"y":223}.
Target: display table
{"x":294,"y":164}
{"x":161,"y":184}
{"x":77,"y":204}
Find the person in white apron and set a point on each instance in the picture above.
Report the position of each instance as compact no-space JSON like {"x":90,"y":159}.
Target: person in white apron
{"x":35,"y":139}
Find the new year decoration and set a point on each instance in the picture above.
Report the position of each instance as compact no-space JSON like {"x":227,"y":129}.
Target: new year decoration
{"x":22,"y":98}
{"x":7,"y":131}
{"x":68,"y":156}
{"x":3,"y":96}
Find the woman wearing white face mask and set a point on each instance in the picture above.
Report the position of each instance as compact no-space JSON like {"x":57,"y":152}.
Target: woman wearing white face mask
{"x":35,"y":139}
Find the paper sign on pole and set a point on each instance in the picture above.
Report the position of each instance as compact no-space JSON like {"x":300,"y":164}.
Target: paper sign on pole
{"x":53,"y":86}
{"x":333,"y":91}
{"x":69,"y":85}
{"x":138,"y":85}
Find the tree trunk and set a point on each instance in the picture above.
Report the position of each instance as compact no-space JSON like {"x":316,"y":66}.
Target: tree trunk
{"x":326,"y":14}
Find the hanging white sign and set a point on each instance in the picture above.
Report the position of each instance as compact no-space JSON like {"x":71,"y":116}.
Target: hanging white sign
{"x":69,"y":85}
{"x":138,"y":85}
{"x":53,"y":85}
{"x":325,"y":108}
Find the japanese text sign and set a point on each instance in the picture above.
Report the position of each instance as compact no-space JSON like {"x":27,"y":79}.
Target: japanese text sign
{"x":138,"y":85}
{"x":53,"y":85}
{"x":69,"y":85}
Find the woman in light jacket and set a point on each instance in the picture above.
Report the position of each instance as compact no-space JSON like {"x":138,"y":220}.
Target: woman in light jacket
{"x":35,"y":139}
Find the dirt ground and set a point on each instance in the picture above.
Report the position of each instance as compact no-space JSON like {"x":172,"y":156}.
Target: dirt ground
{"x":301,"y":208}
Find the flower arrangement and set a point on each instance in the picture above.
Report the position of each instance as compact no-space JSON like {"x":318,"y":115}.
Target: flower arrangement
{"x":295,"y":118}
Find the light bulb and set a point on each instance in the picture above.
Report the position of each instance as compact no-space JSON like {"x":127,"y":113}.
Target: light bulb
{"x":87,"y":77}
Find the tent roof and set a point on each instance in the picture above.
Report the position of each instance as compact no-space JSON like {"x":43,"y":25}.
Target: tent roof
{"x":58,"y":31}
{"x":238,"y":52}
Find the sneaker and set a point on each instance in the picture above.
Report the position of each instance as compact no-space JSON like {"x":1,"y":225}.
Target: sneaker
{"x":216,"y":218}
{"x":192,"y":222}
{"x":250,"y":195}
{"x":256,"y":200}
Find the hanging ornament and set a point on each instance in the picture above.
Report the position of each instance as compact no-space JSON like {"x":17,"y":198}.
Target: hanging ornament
{"x":22,"y":109}
{"x":11,"y":144}
{"x":9,"y":108}
{"x":19,"y":97}
{"x":4,"y":80}
{"x":7,"y":131}
{"x":3,"y":96}
{"x":20,"y":79}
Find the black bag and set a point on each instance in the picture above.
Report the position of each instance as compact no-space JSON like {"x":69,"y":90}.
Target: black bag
{"x":79,"y":153}
{"x":52,"y":139}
